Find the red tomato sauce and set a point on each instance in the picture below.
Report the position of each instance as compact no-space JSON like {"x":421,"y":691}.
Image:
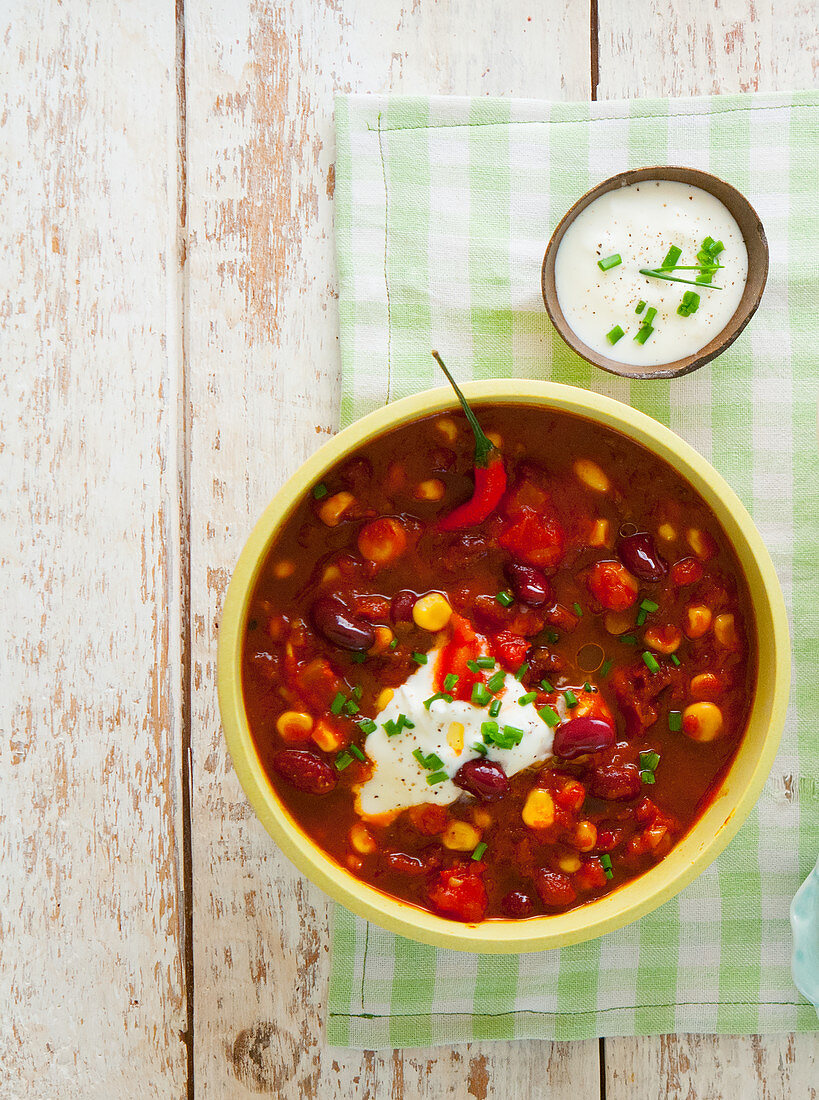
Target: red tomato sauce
{"x":596,"y":548}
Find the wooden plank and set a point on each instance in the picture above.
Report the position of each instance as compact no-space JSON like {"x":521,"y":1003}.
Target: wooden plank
{"x":91,"y":984}
{"x":659,"y":48}
{"x":263,"y":385}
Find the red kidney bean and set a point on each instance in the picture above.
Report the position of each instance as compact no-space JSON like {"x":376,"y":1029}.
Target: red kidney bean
{"x":401,"y":606}
{"x":555,"y":889}
{"x":305,"y":771}
{"x":529,"y":584}
{"x":616,"y":782}
{"x":639,"y":555}
{"x":517,"y":905}
{"x":337,"y":624}
{"x":582,"y":735}
{"x":484,"y":779}
{"x":405,"y":864}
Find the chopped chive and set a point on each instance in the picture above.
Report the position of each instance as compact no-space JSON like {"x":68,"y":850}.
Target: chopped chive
{"x":689,"y":304}
{"x":578,"y":610}
{"x":529,"y":697}
{"x":570,"y":697}
{"x":480,"y":695}
{"x":391,"y":728}
{"x":659,"y":274}
{"x":549,"y":716}
{"x":338,"y":703}
{"x":675,"y":720}
{"x":436,"y":777}
{"x":641,"y":617}
{"x":671,"y":256}
{"x":505,"y":599}
{"x":651,"y":662}
{"x":521,"y":672}
{"x":615,"y":334}
{"x":420,"y":658}
{"x":496,"y":682}
{"x":394,"y":644}
{"x":479,"y":748}
{"x":716,"y":247}
{"x":648,"y":777}
{"x":675,"y":659}
{"x":587,"y":686}
{"x":356,"y":751}
{"x":513,"y":733}
{"x":438,"y":695}
{"x":494,"y":708}
{"x":366,"y":725}
{"x":704,"y":277}
{"x":473,"y":666}
{"x":649,"y":605}
{"x":357,"y":692}
{"x":405,"y":723}
{"x":343,"y":760}
{"x":708,"y":244}
{"x":608,"y":262}
{"x":450,"y":680}
{"x":485,"y":662}
{"x":320,"y":491}
{"x":419,"y":756}
{"x":351,"y":708}
{"x":552,"y":637}
{"x":628,"y":639}
{"x":433,"y":762}
{"x":605,"y":668}
{"x":489,"y":730}
{"x":643,"y":334}
{"x":651,"y":313}
{"x":479,"y":850}
{"x":358,"y":658}
{"x":605,"y":859}
{"x":640,"y":306}
{"x":649,"y":761}
{"x":546,"y":686}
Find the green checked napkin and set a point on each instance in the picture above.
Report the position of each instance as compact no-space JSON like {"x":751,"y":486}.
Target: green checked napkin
{"x":444,"y":209}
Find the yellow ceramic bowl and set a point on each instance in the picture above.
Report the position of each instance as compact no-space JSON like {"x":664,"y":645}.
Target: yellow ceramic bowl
{"x":692,"y":854}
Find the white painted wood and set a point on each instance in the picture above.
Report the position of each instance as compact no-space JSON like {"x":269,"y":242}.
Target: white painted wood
{"x":91,"y":979}
{"x":263,"y":385}
{"x":660,"y":48}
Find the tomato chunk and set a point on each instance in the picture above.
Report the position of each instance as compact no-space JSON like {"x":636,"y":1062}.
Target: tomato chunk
{"x":458,"y":892}
{"x":612,"y":585}
{"x":555,"y":889}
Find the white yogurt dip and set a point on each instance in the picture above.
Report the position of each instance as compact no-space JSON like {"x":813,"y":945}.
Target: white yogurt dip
{"x":641,"y":223}
{"x":399,"y":781}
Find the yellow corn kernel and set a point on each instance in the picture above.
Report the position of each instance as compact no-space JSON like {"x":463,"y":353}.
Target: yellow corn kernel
{"x":446,"y":427}
{"x":699,"y":542}
{"x":431,"y":612}
{"x":663,"y":639}
{"x":383,"y":540}
{"x":591,"y":475}
{"x":327,"y":737}
{"x":702,"y":721}
{"x":460,"y":836}
{"x":355,"y":863}
{"x":383,"y":637}
{"x":362,"y":839}
{"x":599,"y":533}
{"x":585,"y":836}
{"x":697,"y":620}
{"x":569,"y":863}
{"x":481,"y":817}
{"x":431,"y":489}
{"x":666,"y":532}
{"x":618,"y":622}
{"x":384,"y":699}
{"x":496,"y":438}
{"x":455,"y":736}
{"x":283,"y":569}
{"x":294,"y":725}
{"x":725,"y":631}
{"x":539,"y":809}
{"x":331,"y":575}
{"x":333,"y":510}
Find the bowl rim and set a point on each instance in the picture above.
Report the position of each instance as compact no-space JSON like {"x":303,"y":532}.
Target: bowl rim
{"x":687,"y":859}
{"x":740,"y":209}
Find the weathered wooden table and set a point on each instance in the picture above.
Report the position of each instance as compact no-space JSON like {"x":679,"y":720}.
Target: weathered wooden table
{"x":169,"y":344}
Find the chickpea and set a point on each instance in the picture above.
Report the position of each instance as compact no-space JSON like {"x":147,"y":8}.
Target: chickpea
{"x":446,"y":427}
{"x":585,"y":836}
{"x":383,"y":540}
{"x":455,"y":736}
{"x":460,"y":836}
{"x":706,"y":686}
{"x":333,"y":510}
{"x":362,"y":839}
{"x":284,"y":569}
{"x":725,"y":631}
{"x":697,"y":620}
{"x":592,"y":475}
{"x":384,"y":699}
{"x":431,"y":489}
{"x":294,"y":725}
{"x":702,"y":721}
{"x":663,"y":639}
{"x":539,"y":809}
{"x":666,"y":532}
{"x":431,"y":612}
{"x":599,"y":533}
{"x":326,"y":736}
{"x":569,"y":862}
{"x":618,"y":622}
{"x":383,"y":637}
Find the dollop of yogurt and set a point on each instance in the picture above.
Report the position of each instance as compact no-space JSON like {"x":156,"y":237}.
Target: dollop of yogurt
{"x":399,"y":780}
{"x":640,"y":223}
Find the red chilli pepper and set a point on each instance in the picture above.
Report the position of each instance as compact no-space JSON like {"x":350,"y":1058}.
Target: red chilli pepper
{"x":490,"y":473}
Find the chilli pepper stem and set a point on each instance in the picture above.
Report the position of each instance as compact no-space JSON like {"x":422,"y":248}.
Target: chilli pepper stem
{"x":483,"y":446}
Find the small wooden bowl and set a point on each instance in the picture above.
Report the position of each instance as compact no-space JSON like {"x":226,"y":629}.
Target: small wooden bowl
{"x":755,"y":242}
